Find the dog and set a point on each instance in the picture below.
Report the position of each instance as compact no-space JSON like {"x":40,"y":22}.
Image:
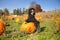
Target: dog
{"x":31,"y":18}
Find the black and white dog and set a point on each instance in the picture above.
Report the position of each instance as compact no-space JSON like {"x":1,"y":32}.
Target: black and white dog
{"x":31,"y":18}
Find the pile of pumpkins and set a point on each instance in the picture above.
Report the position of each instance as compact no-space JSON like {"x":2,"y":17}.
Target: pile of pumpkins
{"x":28,"y":27}
{"x":2,"y":26}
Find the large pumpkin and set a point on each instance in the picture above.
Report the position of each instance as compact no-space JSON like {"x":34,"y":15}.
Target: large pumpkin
{"x":28,"y":27}
{"x":2,"y":27}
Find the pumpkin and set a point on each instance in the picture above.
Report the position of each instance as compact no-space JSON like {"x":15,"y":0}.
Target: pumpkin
{"x":2,"y":27}
{"x":38,"y":18}
{"x":25,"y":17}
{"x":17,"y":20}
{"x":28,"y":27}
{"x":57,"y":22}
{"x":58,"y":18}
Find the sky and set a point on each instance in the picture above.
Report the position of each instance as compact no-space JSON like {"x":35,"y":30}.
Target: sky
{"x":46,"y":5}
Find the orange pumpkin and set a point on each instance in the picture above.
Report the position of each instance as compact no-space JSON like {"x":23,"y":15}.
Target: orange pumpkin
{"x":2,"y":27}
{"x":28,"y":27}
{"x":38,"y":18}
{"x":25,"y":17}
{"x":17,"y":20}
{"x":58,"y":18}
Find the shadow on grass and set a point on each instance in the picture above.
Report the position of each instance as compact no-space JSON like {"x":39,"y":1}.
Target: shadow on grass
{"x":42,"y":29}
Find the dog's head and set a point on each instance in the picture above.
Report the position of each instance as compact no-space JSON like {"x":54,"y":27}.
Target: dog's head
{"x":32,"y":11}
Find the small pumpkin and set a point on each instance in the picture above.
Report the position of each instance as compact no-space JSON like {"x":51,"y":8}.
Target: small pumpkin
{"x":17,"y":20}
{"x":25,"y":17}
{"x":28,"y":27}
{"x":38,"y":18}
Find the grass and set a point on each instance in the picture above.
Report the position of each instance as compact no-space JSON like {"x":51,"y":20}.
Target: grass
{"x":48,"y":29}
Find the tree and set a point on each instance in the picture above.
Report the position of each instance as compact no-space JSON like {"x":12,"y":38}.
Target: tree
{"x":26,"y":11}
{"x":23,"y":10}
{"x":15,"y":12}
{"x":38,"y":8}
{"x":1,"y":12}
{"x":5,"y":11}
{"x":20,"y":12}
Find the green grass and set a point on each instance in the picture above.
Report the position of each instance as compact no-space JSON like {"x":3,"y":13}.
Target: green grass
{"x":48,"y":29}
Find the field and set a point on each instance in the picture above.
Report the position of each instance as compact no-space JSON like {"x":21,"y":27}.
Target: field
{"x":13,"y":14}
{"x":48,"y":31}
